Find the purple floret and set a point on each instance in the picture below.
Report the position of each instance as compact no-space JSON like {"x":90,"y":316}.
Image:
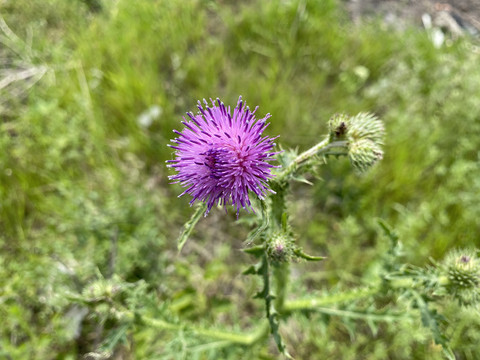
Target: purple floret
{"x":220,"y":158}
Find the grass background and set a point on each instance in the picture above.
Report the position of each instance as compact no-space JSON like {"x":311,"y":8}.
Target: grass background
{"x":84,"y":193}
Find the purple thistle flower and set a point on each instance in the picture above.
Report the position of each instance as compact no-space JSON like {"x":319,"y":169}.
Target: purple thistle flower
{"x":220,"y":158}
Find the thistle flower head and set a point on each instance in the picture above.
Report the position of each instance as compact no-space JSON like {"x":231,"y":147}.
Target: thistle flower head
{"x":221,"y":157}
{"x":462,"y":270}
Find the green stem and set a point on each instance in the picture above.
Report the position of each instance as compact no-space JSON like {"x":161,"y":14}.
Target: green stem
{"x":278,"y":206}
{"x":190,"y":225}
{"x":280,"y":274}
{"x":360,"y":315}
{"x":232,"y":337}
{"x":320,"y":148}
{"x":272,"y":313}
{"x":315,"y":303}
{"x":265,"y":273}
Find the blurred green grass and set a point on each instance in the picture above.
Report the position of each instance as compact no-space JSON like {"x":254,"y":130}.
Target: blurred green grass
{"x":84,"y":189}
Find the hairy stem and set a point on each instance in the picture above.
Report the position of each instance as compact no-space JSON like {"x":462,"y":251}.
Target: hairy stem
{"x":190,"y":225}
{"x":316,"y":302}
{"x":232,"y":337}
{"x":320,"y":148}
{"x":281,"y":275}
{"x":278,"y":206}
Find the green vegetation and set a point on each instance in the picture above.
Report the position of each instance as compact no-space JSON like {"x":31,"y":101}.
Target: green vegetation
{"x":87,"y":217}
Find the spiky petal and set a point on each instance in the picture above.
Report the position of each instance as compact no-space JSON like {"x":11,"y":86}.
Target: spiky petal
{"x":221,"y":157}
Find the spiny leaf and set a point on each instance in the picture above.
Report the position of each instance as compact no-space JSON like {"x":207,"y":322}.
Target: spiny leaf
{"x":274,"y":327}
{"x":431,"y":319}
{"x":115,"y":336}
{"x":190,"y":225}
{"x":387,"y":229}
{"x":299,"y":253}
{"x":263,"y":225}
{"x":255,"y":250}
{"x":250,"y":271}
{"x":373,"y":327}
{"x":262,"y":269}
{"x":301,"y":179}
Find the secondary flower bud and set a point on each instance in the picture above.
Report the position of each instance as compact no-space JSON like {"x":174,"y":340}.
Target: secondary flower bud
{"x":362,"y":136}
{"x":364,"y":154}
{"x":338,"y":126}
{"x":280,"y":247}
{"x":462,"y":269}
{"x":365,"y":126}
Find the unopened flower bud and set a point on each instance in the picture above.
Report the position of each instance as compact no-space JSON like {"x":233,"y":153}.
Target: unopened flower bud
{"x":462,"y":268}
{"x":280,"y":247}
{"x":364,"y":154}
{"x":338,"y":126}
{"x":365,"y":126}
{"x":362,"y":135}
{"x":97,"y":290}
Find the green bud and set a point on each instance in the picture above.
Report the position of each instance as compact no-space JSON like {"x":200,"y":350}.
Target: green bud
{"x":362,"y":135}
{"x":365,"y":126}
{"x":364,"y":154}
{"x":462,"y":269}
{"x":280,"y":247}
{"x":101,"y":289}
{"x":338,"y":126}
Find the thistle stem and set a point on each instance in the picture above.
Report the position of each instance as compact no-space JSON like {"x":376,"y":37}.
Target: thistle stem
{"x":316,"y":302}
{"x":190,"y":225}
{"x":281,"y":275}
{"x":232,"y":337}
{"x":320,"y":148}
